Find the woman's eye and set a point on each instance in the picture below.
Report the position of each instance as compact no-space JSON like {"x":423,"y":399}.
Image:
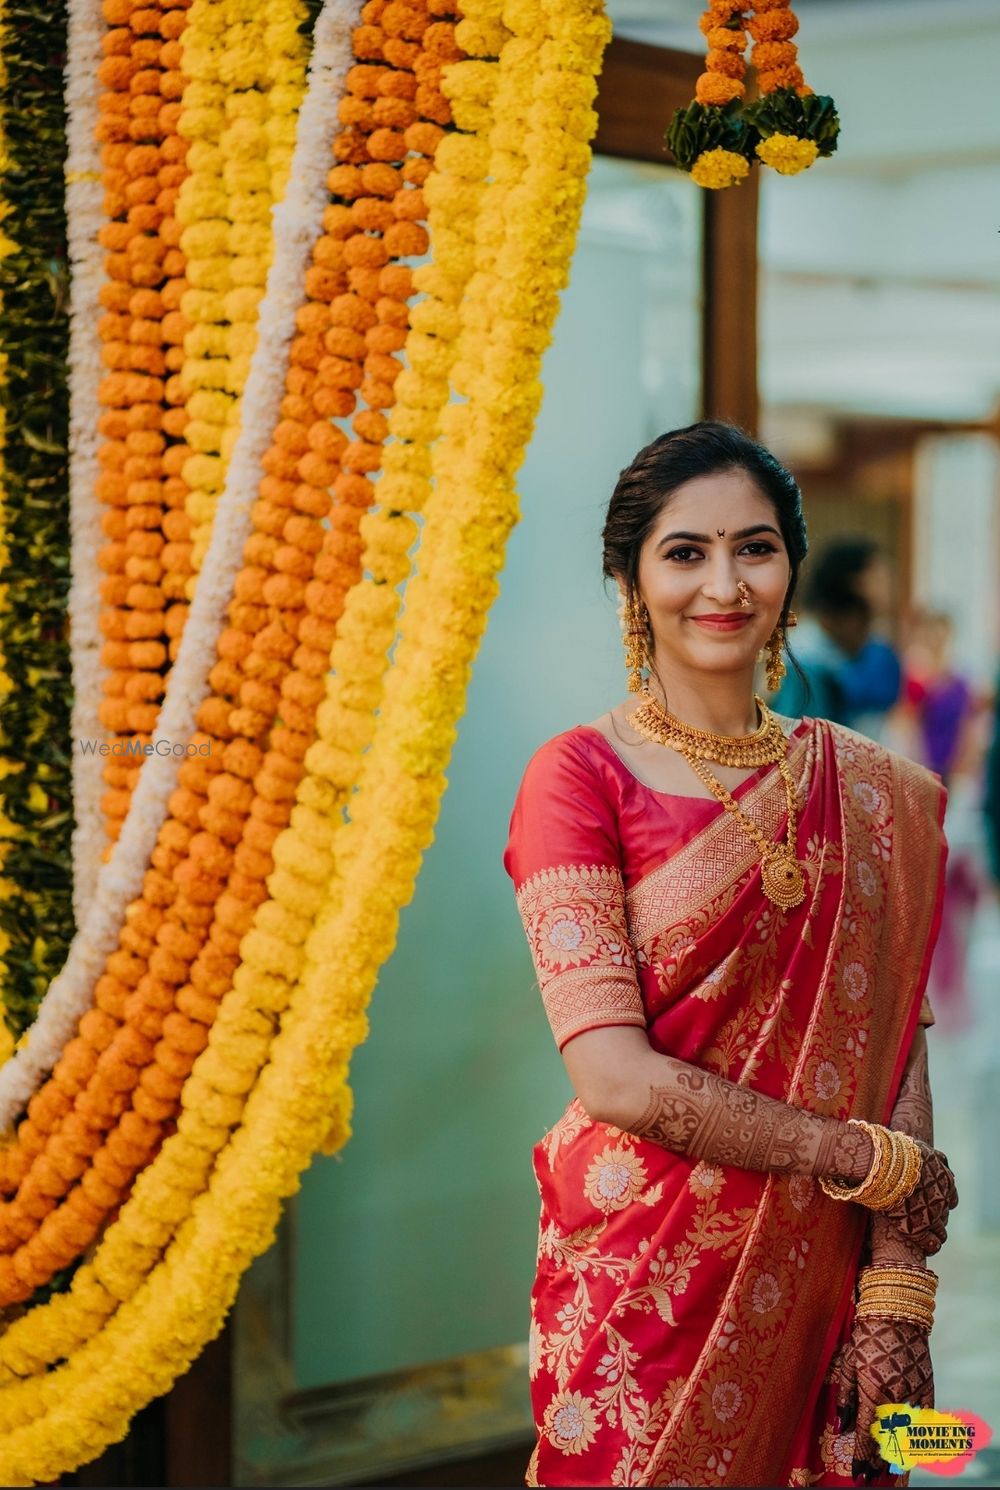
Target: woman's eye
{"x":684,"y":555}
{"x":759,"y":546}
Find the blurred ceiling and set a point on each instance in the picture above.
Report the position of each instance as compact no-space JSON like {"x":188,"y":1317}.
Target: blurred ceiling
{"x":881,"y":266}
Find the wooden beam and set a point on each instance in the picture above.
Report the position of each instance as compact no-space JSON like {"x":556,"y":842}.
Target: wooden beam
{"x":638,"y":90}
{"x":729,"y":316}
{"x":199,"y":1418}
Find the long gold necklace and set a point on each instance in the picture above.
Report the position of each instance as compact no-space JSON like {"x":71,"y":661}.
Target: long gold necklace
{"x":782,"y":877}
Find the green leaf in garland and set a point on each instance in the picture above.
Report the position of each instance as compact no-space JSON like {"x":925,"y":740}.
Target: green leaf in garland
{"x":36,"y":793}
{"x":783,"y":112}
{"x":701,"y":127}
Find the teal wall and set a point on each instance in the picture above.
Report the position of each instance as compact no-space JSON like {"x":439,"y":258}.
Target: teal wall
{"x":417,"y":1242}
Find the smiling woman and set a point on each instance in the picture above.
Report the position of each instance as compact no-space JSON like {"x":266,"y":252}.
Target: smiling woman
{"x":734,"y":977}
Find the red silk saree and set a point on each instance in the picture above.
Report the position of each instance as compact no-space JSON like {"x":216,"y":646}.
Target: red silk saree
{"x":684,"y":1316}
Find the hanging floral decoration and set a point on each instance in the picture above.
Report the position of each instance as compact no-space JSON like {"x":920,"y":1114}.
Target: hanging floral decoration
{"x":717,"y":137}
{"x":173,"y":961}
{"x":193,"y":1053}
{"x":7,"y":887}
{"x":36,"y":917}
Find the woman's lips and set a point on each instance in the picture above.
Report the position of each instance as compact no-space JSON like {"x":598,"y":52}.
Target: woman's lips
{"x":721,"y":623}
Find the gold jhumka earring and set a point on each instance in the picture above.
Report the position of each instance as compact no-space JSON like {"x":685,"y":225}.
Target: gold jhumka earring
{"x":636,"y":618}
{"x":775,"y":669}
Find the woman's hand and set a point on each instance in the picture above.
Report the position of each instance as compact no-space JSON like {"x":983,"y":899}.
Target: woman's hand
{"x":885,"y":1360}
{"x":922,"y":1218}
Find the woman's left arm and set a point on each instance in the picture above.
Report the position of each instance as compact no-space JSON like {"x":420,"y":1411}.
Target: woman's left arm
{"x":913,"y":1114}
{"x":889,"y":1360}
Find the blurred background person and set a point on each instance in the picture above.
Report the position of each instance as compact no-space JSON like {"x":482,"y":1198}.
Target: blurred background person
{"x":849,"y":673}
{"x":938,"y":705}
{"x":936,"y":723}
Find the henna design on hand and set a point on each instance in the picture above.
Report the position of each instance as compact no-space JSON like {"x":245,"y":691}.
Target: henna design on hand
{"x":885,"y":1360}
{"x":913,"y":1112}
{"x":918,"y":1226}
{"x":704,"y":1116}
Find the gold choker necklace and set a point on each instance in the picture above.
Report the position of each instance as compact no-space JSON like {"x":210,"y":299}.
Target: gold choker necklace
{"x":761,"y":748}
{"x":782,"y":877}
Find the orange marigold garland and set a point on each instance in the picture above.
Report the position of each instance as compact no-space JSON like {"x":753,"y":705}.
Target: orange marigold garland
{"x":795,"y":125}
{"x":711,"y":138}
{"x":103,"y":1113}
{"x":144,"y":164}
{"x":717,"y":136}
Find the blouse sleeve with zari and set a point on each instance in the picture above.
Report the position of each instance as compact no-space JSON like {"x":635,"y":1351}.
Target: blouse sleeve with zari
{"x":564,"y":858}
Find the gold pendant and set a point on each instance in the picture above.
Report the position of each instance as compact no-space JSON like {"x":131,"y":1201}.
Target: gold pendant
{"x":782,"y":879}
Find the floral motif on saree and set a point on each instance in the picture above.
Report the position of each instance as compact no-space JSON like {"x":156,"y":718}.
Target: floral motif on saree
{"x":683,"y":1315}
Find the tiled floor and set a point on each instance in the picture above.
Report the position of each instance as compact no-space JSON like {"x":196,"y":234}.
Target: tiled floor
{"x":965,"y":1079}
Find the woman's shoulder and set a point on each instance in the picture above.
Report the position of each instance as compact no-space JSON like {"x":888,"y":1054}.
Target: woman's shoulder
{"x":574,"y":752}
{"x":566,"y":811}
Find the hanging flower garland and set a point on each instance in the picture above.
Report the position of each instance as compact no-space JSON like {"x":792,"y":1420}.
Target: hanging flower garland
{"x":717,"y":137}
{"x":711,"y":138}
{"x":795,"y":125}
{"x":122,"y":877}
{"x":36,"y":918}
{"x":7,"y":887}
{"x":239,"y":116}
{"x":158,"y":1330}
{"x":85,"y":216}
{"x":379,"y":555}
{"x":60,"y":1319}
{"x":38,"y":1240}
{"x":143,"y":160}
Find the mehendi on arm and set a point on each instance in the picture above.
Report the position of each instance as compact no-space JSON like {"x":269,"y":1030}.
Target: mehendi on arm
{"x":702,"y":1115}
{"x":913,"y":1113}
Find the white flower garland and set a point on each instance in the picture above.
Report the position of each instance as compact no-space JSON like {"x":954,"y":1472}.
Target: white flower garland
{"x":84,"y":216}
{"x":297,"y":225}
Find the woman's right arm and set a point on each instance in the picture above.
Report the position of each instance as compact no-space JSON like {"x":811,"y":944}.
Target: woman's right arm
{"x":702,"y":1115}
{"x":564,"y":856}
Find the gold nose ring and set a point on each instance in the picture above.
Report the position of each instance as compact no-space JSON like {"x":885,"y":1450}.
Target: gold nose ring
{"x":743,"y":590}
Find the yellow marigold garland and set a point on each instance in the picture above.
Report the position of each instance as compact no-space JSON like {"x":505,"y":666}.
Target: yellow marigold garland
{"x":246,"y":64}
{"x":165,"y":1322}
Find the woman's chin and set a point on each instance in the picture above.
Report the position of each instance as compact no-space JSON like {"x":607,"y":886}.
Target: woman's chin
{"x":720,"y":658}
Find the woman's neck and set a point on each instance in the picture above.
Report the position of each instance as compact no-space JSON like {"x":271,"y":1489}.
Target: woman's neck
{"x":725,"y":704}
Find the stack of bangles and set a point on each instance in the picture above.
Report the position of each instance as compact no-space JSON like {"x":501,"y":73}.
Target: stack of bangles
{"x":897,"y":1290}
{"x":894,"y":1172}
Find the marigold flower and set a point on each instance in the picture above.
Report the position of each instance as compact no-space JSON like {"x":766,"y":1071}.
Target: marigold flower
{"x":788,"y":155}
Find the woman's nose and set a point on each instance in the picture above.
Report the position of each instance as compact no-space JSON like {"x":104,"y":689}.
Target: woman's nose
{"x":722,"y":583}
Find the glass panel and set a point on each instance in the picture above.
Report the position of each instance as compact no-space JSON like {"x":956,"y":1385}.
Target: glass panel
{"x":417,"y":1244}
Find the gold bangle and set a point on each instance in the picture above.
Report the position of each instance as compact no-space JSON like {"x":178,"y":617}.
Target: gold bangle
{"x":887,"y":1178}
{"x":894,"y":1172}
{"x":903,"y":1176}
{"x":919,"y":1270}
{"x":897,"y":1296}
{"x":894,"y":1296}
{"x":921,"y":1320}
{"x":889,"y":1181}
{"x":891,"y":1307}
{"x":890,"y":1302}
{"x":880,"y":1155}
{"x":910,"y":1275}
